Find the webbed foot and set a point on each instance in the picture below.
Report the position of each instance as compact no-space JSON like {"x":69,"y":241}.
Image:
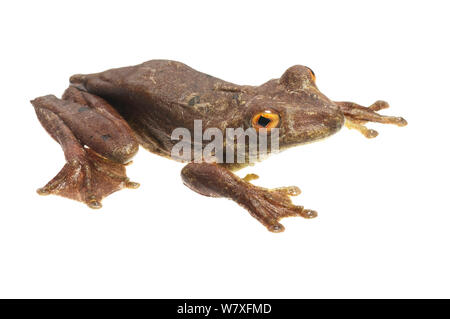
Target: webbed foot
{"x":356,"y":116}
{"x":269,"y":206}
{"x":88,"y":179}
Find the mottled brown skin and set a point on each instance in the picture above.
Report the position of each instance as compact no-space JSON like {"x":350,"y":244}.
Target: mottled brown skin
{"x":103,"y":117}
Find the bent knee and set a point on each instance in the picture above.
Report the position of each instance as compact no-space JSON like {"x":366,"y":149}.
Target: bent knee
{"x":115,"y":143}
{"x":124,"y":152}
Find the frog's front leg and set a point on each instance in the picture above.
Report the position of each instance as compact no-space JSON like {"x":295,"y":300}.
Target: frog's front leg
{"x":356,"y":116}
{"x":266,"y":205}
{"x":96,"y":141}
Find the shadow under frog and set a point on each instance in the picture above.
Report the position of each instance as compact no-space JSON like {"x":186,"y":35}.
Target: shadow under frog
{"x":102,"y":118}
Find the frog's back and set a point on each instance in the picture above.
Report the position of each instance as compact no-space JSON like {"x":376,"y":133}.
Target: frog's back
{"x":163,"y":78}
{"x":157,"y":96}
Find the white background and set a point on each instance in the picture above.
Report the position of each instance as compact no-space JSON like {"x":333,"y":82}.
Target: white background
{"x":384,"y":217}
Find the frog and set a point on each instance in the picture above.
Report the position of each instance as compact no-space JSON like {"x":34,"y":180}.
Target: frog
{"x":102,"y":119}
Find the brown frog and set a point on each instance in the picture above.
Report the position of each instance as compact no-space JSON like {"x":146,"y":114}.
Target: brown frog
{"x":102,"y":118}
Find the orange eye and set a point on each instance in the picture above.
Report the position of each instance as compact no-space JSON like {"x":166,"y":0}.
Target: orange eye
{"x":266,"y":119}
{"x":313,"y":76}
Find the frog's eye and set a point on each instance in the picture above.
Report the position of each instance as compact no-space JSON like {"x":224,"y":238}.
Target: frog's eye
{"x":313,"y":75}
{"x":266,"y":119}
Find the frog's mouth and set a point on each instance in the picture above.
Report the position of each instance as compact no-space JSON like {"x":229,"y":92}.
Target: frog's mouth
{"x":311,"y":125}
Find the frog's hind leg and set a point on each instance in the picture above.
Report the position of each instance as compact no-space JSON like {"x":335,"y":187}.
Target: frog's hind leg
{"x":97,"y":144}
{"x":356,"y":116}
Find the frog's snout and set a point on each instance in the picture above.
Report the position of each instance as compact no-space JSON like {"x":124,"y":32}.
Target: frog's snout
{"x":313,"y":123}
{"x":327,"y":116}
{"x":335,"y":119}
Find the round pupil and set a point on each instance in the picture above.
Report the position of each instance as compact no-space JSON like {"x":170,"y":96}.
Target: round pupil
{"x":263,"y":121}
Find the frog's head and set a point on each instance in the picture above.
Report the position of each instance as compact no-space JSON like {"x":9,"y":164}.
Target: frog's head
{"x":295,"y":106}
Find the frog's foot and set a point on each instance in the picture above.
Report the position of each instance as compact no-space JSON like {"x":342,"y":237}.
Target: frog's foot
{"x":250,"y":177}
{"x":269,"y":206}
{"x":355,"y":125}
{"x":88,"y":179}
{"x":356,"y":116}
